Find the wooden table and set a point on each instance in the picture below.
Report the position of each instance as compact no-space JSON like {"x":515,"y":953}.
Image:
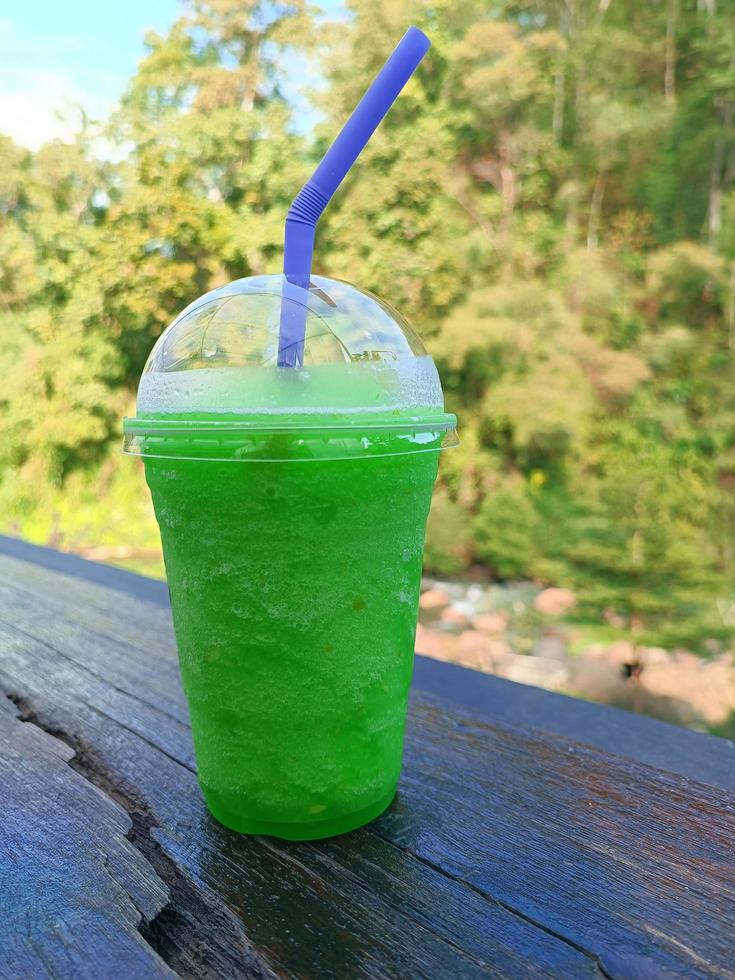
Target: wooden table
{"x":532,"y":834}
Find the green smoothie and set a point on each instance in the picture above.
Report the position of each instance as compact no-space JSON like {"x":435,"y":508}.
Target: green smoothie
{"x":292,"y":503}
{"x":290,"y":427}
{"x":294,"y":587}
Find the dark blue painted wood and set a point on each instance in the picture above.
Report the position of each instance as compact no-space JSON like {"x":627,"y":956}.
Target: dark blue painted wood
{"x":138,"y":586}
{"x":656,"y":743}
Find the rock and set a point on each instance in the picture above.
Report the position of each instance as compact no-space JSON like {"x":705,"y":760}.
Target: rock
{"x":536,"y":671}
{"x":707,"y":689}
{"x":477,"y":649}
{"x":468,"y":609}
{"x":473,"y":650}
{"x":453,"y":617}
{"x":686,"y":659}
{"x":432,"y":643}
{"x":614,"y":619}
{"x":554,"y":602}
{"x":621,"y":654}
{"x":653,"y":656}
{"x":673,"y":710}
{"x":500,"y":651}
{"x":596,"y":680}
{"x":550,"y":647}
{"x":595,"y":651}
{"x":457,"y":591}
{"x":433,"y":599}
{"x":475,"y":594}
{"x":493,"y":623}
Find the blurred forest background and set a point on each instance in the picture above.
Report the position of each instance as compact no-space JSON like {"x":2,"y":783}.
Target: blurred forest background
{"x":551,"y":202}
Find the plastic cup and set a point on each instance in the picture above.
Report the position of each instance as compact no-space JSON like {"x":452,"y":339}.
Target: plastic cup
{"x":292,"y":505}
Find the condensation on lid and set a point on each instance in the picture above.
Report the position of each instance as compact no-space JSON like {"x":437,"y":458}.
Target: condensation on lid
{"x":212,"y":388}
{"x":220,"y":355}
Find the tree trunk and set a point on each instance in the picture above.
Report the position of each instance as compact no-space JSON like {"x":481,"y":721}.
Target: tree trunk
{"x":637,"y":541}
{"x":560,"y":78}
{"x":577,"y":29}
{"x":718,"y":168}
{"x":731,"y":309}
{"x":509,"y":186}
{"x":460,"y":194}
{"x":593,"y":222}
{"x":558,"y":117}
{"x":571,"y":220}
{"x":670,"y":67}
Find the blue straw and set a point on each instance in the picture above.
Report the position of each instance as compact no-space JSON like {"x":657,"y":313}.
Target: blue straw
{"x":317,"y":192}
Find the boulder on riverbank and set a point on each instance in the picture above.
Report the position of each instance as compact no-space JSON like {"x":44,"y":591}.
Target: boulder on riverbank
{"x":494,"y":628}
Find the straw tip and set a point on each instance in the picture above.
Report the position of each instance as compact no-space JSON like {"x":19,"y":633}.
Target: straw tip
{"x":418,"y":36}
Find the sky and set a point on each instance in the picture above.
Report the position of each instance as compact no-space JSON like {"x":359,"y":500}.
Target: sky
{"x":57,"y":54}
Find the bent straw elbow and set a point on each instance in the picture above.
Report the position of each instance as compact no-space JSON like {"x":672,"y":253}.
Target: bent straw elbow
{"x":298,"y":249}
{"x":314,"y":196}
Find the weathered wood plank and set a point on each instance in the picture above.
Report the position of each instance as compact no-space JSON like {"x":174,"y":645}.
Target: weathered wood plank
{"x":509,"y":853}
{"x":117,"y":579}
{"x":73,"y":889}
{"x":305,"y":913}
{"x":78,"y":636}
{"x":694,"y":755}
{"x":631,"y":862}
{"x":112,"y":614}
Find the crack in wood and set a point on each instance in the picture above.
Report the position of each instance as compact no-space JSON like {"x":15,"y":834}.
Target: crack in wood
{"x":594,"y":957}
{"x":181,"y":931}
{"x":277,"y":848}
{"x":82,"y":763}
{"x":138,"y":734}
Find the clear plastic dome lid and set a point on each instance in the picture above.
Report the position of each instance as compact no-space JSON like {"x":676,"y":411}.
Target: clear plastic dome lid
{"x":215,"y":370}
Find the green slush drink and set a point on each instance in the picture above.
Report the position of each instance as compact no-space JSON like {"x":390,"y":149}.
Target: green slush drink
{"x":292,"y":522}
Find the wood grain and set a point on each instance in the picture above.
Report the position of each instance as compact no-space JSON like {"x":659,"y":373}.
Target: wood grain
{"x":73,"y":889}
{"x":508,"y":853}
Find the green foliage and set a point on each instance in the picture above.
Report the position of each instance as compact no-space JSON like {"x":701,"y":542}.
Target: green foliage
{"x":552,"y":201}
{"x":447,"y":537}
{"x":508,"y":532}
{"x":644,"y":554}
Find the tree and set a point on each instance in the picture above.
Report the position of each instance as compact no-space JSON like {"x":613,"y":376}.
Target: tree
{"x":100,"y":256}
{"x":643,"y":555}
{"x":551,"y":200}
{"x":214,"y":166}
